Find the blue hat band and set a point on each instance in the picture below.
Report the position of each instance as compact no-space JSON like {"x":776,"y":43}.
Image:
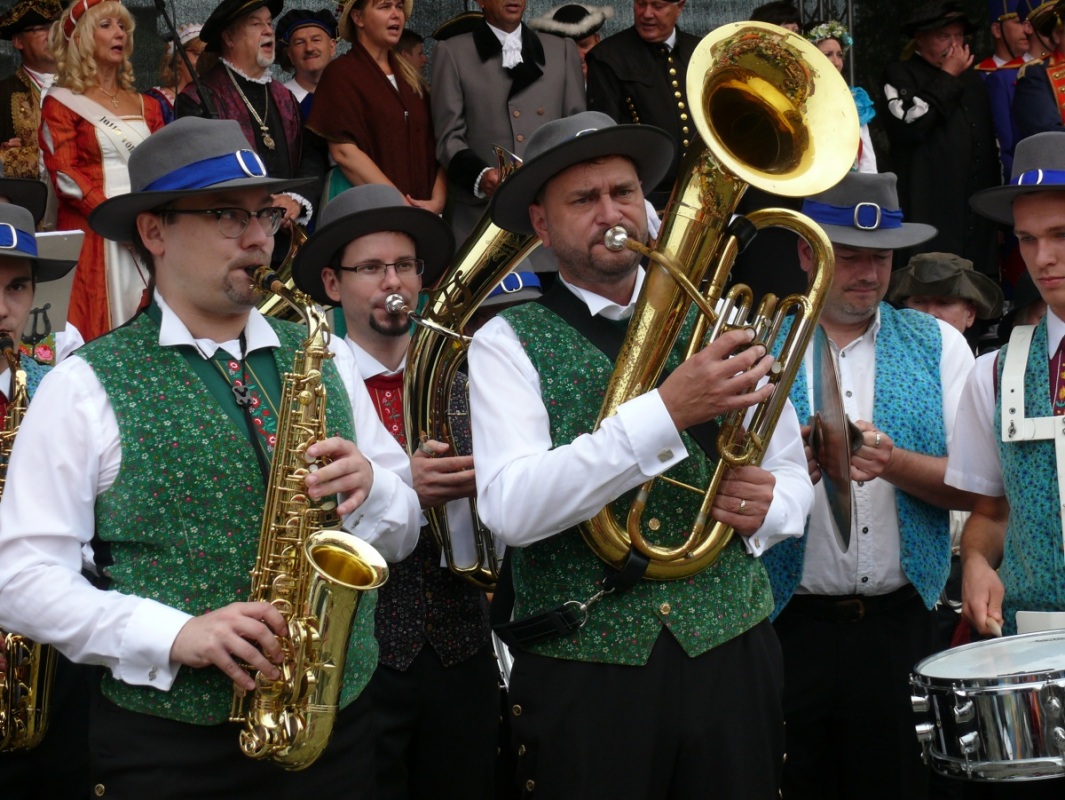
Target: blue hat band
{"x":210,"y":172}
{"x":515,"y":282}
{"x":864,"y":216}
{"x":1040,"y":177}
{"x":11,"y":238}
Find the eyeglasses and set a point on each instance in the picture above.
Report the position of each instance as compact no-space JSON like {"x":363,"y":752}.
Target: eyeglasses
{"x":232,"y":222}
{"x":408,"y":266}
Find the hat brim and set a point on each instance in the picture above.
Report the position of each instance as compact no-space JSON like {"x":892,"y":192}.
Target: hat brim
{"x":211,"y":32}
{"x":57,"y":254}
{"x":996,"y":203}
{"x":910,"y":234}
{"x":432,"y":237}
{"x":31,"y":194}
{"x":650,"y":149}
{"x":114,"y":219}
{"x":975,"y":287}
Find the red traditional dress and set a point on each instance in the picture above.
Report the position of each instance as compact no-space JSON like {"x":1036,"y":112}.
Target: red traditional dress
{"x":88,"y":166}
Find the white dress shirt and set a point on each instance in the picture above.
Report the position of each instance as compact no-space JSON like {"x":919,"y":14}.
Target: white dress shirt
{"x":356,"y":366}
{"x":872,"y":565}
{"x":528,"y":490}
{"x":974,"y":462}
{"x":67,"y":453}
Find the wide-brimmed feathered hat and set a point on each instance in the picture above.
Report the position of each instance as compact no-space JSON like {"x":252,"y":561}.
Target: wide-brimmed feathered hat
{"x":862,"y":210}
{"x":562,"y":143}
{"x":187,"y":157}
{"x":28,"y":13}
{"x":946,"y":275}
{"x":573,"y":20}
{"x":360,"y":211}
{"x":18,"y":240}
{"x":227,"y":12}
{"x":1038,"y":166}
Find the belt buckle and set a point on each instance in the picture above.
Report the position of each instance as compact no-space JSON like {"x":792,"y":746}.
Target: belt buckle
{"x":855,"y":603}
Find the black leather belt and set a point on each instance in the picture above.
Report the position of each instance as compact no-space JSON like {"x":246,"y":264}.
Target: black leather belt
{"x":851,"y":608}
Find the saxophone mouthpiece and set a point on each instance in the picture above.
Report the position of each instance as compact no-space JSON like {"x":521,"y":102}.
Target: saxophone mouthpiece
{"x":615,"y":238}
{"x":6,"y":343}
{"x":394,"y":305}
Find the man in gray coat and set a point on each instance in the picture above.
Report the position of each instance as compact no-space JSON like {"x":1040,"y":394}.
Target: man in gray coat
{"x":494,"y":86}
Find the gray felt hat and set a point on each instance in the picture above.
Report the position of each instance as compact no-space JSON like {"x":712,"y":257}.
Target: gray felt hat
{"x":862,"y":210}
{"x":946,"y":275}
{"x":18,"y":240}
{"x":1038,"y":166}
{"x":362,"y":210}
{"x":187,"y":157}
{"x":560,"y":144}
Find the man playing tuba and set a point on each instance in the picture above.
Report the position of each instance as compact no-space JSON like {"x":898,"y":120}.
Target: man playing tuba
{"x":154,"y":444}
{"x":668,"y":686}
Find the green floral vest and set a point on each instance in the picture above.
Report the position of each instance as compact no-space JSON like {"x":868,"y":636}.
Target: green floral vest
{"x":707,"y":609}
{"x":182,"y":518}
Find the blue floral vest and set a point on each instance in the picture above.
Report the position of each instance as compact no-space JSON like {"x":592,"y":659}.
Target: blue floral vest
{"x":908,"y":406}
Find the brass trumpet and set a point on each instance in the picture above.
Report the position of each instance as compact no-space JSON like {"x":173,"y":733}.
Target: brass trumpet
{"x":770,"y":115}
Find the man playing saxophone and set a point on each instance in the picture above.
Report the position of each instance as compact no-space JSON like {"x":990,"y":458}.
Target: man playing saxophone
{"x":669,"y":688}
{"x":54,"y":766}
{"x":156,"y":443}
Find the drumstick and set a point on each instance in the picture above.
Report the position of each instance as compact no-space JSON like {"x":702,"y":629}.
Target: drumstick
{"x":994,"y":627}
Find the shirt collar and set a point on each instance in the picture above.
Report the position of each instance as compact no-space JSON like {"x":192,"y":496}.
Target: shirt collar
{"x":265,"y":78}
{"x":370,"y":367}
{"x":173,"y":333}
{"x":671,"y":42}
{"x":503,"y":35}
{"x":597,"y":304}
{"x":1055,"y":332}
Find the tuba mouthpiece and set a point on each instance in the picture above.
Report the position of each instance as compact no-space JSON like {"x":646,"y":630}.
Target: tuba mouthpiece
{"x":615,"y":238}
{"x":394,"y":305}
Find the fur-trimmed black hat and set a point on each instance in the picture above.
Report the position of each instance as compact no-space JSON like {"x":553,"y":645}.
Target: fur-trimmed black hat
{"x":573,"y":20}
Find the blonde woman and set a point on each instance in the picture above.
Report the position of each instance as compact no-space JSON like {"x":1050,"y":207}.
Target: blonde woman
{"x":373,"y":109}
{"x":91,"y":121}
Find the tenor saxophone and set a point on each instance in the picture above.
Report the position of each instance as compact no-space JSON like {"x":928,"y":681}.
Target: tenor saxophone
{"x":26,"y":680}
{"x":309,"y":569}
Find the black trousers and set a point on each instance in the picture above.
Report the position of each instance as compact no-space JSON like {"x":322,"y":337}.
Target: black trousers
{"x":850,"y":722}
{"x":136,"y":756}
{"x":58,"y":768}
{"x":437,"y":728}
{"x":677,"y":728}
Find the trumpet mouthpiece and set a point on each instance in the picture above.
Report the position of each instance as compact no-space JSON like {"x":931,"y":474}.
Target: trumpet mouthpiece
{"x":394,"y":304}
{"x":615,"y":238}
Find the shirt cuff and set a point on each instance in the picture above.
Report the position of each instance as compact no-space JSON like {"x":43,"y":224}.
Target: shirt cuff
{"x":387,"y":520}
{"x":308,"y":209}
{"x":769,"y":533}
{"x":477,"y":184}
{"x":149,"y":637}
{"x":654,"y":438}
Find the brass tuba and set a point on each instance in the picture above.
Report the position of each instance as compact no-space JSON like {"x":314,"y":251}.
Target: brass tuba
{"x":309,"y":569}
{"x":438,"y":350}
{"x":771,"y":111}
{"x":26,"y":683}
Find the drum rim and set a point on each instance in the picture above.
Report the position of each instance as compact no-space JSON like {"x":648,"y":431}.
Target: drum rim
{"x":917,"y":670}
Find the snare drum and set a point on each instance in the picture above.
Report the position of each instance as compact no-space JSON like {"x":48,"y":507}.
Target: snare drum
{"x":995,"y":710}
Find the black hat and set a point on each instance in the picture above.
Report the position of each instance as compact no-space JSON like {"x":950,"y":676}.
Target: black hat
{"x":946,"y":275}
{"x":27,"y":14}
{"x":862,"y":210}
{"x":561,"y":143}
{"x":228,"y":12}
{"x":360,"y":211}
{"x":29,"y":193}
{"x":187,"y":157}
{"x":18,"y":240}
{"x":937,"y":14}
{"x":463,"y":23}
{"x":1038,"y":166}
{"x":291,"y":21}
{"x":574,"y":21}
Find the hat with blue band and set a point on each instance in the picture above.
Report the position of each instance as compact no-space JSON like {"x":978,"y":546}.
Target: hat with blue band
{"x":18,"y":240}
{"x":187,"y":157}
{"x":862,"y":210}
{"x":516,"y":287}
{"x":1038,"y":166}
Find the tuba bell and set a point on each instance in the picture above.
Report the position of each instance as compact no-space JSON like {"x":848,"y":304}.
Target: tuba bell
{"x":771,"y":112}
{"x":437,"y":352}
